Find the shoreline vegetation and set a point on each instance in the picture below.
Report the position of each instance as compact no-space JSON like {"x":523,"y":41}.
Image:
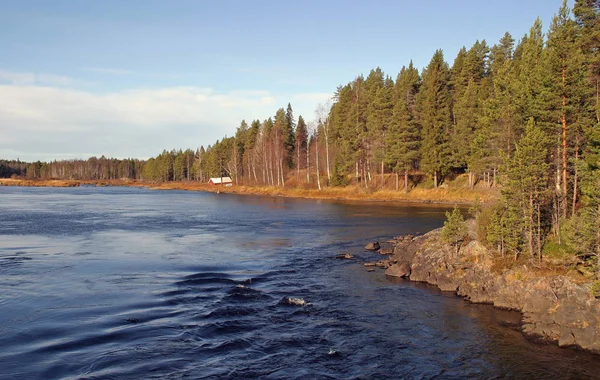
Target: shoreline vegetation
{"x":450,"y":194}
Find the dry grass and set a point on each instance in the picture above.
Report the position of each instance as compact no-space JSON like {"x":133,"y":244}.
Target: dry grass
{"x":37,"y":183}
{"x":440,"y":195}
{"x":449,"y":195}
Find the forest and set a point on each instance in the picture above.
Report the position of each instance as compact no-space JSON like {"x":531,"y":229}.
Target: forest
{"x":522,"y":115}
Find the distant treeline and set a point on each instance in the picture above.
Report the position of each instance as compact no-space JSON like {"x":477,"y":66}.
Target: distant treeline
{"x":91,"y":169}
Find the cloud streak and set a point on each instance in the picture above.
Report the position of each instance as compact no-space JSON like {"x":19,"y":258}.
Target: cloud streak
{"x":30,"y":79}
{"x":48,"y":122}
{"x":106,"y":70}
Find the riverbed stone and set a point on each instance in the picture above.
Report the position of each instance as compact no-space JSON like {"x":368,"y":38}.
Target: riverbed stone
{"x":373,"y":246}
{"x":386,"y":251}
{"x":398,"y":270}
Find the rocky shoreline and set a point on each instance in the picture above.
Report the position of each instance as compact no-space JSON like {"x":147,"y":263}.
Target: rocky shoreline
{"x":554,"y":308}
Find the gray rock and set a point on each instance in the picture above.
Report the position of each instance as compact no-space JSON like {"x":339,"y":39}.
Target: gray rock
{"x":374,"y":246}
{"x":398,"y":270}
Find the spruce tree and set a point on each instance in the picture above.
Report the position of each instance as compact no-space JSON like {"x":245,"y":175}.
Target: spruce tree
{"x":288,"y":136}
{"x":301,"y":138}
{"x":455,"y":228}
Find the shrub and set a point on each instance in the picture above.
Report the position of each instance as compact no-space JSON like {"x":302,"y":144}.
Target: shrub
{"x":455,"y":228}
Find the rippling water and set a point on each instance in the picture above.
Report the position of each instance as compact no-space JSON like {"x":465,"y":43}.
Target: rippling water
{"x":131,"y":283}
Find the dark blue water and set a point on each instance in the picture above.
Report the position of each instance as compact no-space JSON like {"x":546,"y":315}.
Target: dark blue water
{"x":136,"y":284}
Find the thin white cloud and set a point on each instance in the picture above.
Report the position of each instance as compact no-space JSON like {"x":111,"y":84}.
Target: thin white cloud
{"x":317,"y":97}
{"x":28,"y":79}
{"x":308,"y":102}
{"x":107,"y":70}
{"x":49,"y":121}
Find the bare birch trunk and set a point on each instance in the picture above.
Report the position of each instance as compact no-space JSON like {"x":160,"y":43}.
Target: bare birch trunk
{"x":308,"y":162}
{"x":317,"y":163}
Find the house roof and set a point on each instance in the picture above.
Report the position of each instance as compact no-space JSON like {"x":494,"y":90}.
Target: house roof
{"x":223,"y":179}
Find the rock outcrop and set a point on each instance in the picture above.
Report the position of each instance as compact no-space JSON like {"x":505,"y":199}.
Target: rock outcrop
{"x":554,"y":308}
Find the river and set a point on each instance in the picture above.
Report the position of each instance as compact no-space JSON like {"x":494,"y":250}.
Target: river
{"x":130,"y":283}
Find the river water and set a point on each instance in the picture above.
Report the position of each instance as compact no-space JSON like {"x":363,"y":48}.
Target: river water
{"x":131,"y":283}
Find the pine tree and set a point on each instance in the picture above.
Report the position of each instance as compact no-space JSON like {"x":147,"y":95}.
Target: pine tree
{"x":527,"y":183}
{"x":371,"y":134}
{"x":565,"y":80}
{"x":527,"y":85}
{"x":281,"y":141}
{"x":379,"y":123}
{"x":434,"y":109}
{"x":403,"y":138}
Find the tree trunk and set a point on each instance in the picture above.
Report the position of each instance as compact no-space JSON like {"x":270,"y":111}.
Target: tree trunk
{"x":308,"y":162}
{"x":564,"y":142}
{"x":539,"y":234}
{"x":406,"y":181}
{"x":317,"y":163}
{"x":530,"y":225}
{"x":327,"y":150}
{"x":575,"y":177}
{"x":435,"y":179}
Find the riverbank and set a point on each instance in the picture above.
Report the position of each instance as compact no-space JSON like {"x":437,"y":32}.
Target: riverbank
{"x":441,"y":195}
{"x":556,"y":303}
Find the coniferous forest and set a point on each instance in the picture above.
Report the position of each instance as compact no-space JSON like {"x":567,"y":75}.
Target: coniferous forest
{"x":521,"y":115}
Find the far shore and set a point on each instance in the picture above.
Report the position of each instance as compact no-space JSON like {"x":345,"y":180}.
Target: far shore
{"x":441,"y":195}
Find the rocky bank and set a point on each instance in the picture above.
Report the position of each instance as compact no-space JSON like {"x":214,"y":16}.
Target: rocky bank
{"x":554,"y":308}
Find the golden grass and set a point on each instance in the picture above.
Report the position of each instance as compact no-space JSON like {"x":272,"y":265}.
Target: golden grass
{"x":355,"y":193}
{"x":448,"y":195}
{"x":38,"y":183}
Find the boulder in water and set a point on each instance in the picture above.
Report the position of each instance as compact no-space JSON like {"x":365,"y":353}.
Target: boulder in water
{"x":386,"y":251}
{"x":294,"y":301}
{"x":373,"y":246}
{"x":398,"y":270}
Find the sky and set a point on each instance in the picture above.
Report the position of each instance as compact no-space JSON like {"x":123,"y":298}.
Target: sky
{"x":131,"y":78}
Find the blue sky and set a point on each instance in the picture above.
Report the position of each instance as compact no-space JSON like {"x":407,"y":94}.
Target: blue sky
{"x":130,"y":78}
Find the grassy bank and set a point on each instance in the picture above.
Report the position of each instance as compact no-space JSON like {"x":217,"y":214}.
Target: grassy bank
{"x":452,"y":193}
